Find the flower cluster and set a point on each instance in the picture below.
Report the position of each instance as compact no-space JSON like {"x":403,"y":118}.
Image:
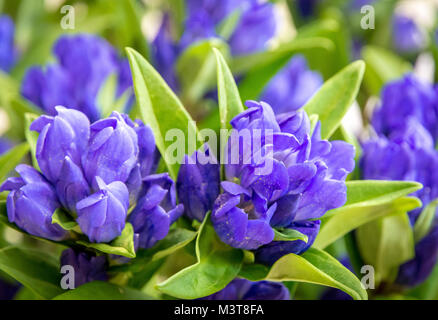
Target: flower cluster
{"x":7,"y":48}
{"x":404,"y":149}
{"x":84,"y":63}
{"x":96,"y":173}
{"x":307,"y":178}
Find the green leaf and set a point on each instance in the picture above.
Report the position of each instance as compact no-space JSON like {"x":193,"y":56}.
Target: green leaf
{"x":176,"y":239}
{"x":196,"y":68}
{"x":31,"y":137}
{"x":98,"y":290}
{"x":107,"y":95}
{"x":318,"y":267}
{"x":34,"y":269}
{"x":285,"y":234}
{"x":63,"y":219}
{"x":218,"y":264}
{"x":260,"y":68}
{"x":160,"y":108}
{"x":230,"y":104}
{"x":254,"y":272}
{"x":123,"y":245}
{"x":12,"y":158}
{"x":333,"y":99}
{"x":353,"y":217}
{"x":425,"y":220}
{"x":385,"y":244}
{"x":383,"y":66}
{"x":227,"y":26}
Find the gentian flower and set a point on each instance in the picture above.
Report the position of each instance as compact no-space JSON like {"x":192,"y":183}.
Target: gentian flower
{"x":31,"y":203}
{"x":156,"y":210}
{"x":7,"y":48}
{"x":304,"y":177}
{"x":404,"y":150}
{"x":8,"y":290}
{"x":198,"y":185}
{"x":84,"y":63}
{"x":242,"y":289}
{"x":307,"y":178}
{"x":407,"y":35}
{"x":407,"y":98}
{"x":292,"y":87}
{"x":86,"y":266}
{"x":5,"y":145}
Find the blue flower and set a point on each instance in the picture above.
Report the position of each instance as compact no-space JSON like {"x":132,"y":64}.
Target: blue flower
{"x":304,"y":177}
{"x":403,"y":99}
{"x":102,"y":215}
{"x":198,"y":184}
{"x":5,"y":145}
{"x":255,"y":27}
{"x":84,"y":63}
{"x":242,"y":289}
{"x":7,"y":48}
{"x":404,"y":150}
{"x":407,"y":36}
{"x":292,"y":87}
{"x":31,"y":203}
{"x":87,"y":267}
{"x":156,"y":210}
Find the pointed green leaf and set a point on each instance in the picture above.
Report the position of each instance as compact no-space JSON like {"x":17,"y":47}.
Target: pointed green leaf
{"x":218,"y":264}
{"x":31,"y":137}
{"x":285,"y":234}
{"x":12,"y":158}
{"x":425,"y":221}
{"x":333,"y":99}
{"x":385,"y":244}
{"x":98,"y":290}
{"x":34,"y":269}
{"x":230,"y":104}
{"x":63,"y":219}
{"x":318,"y":267}
{"x":161,"y":109}
{"x":123,"y":245}
{"x":353,"y":217}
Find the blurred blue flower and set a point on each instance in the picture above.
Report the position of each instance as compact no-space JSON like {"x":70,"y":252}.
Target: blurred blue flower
{"x":5,"y":145}
{"x":156,"y":210}
{"x":31,"y":203}
{"x":255,"y":27}
{"x":407,"y":35}
{"x":7,"y":48}
{"x":304,"y":177}
{"x":403,"y":99}
{"x":84,"y":63}
{"x":404,"y":150}
{"x":292,"y":87}
{"x":87,"y":267}
{"x":242,"y":289}
{"x":8,"y":289}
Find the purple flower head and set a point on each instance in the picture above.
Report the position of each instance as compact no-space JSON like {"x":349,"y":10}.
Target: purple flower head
{"x":257,"y":25}
{"x":292,"y":87}
{"x":87,"y":267}
{"x":407,"y":36}
{"x":102,"y":215}
{"x":156,"y":210}
{"x":31,"y":203}
{"x":7,"y":49}
{"x":283,"y":177}
{"x":198,"y":184}
{"x":8,"y":289}
{"x":242,"y":289}
{"x":113,"y":150}
{"x":84,"y":62}
{"x":404,"y":99}
{"x":307,"y":7}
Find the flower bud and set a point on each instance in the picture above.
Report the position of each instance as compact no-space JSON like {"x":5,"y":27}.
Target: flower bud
{"x":31,"y":203}
{"x":102,"y":215}
{"x":156,"y":210}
